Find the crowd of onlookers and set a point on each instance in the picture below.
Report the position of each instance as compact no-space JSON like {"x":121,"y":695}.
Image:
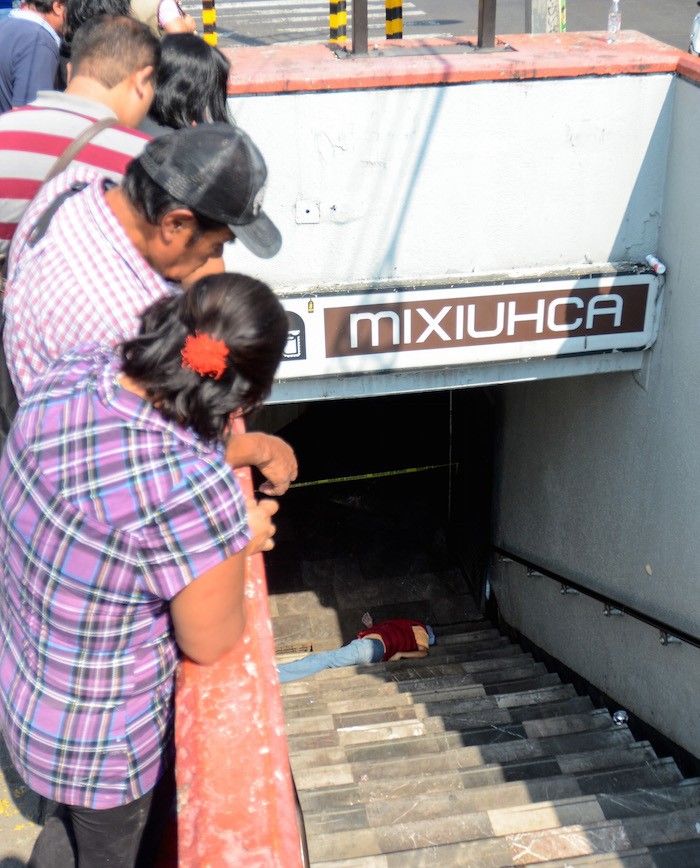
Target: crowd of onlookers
{"x":119,"y":71}
{"x":36,"y":39}
{"x":131,"y":350}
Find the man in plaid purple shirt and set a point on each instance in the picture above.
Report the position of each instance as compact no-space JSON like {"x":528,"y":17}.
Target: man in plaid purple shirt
{"x":109,"y":251}
{"x":124,"y":535}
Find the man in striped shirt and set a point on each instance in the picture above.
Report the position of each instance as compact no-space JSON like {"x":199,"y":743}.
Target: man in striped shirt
{"x":114,"y":62}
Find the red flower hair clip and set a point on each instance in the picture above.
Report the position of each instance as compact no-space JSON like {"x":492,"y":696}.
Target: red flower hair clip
{"x":205,"y":355}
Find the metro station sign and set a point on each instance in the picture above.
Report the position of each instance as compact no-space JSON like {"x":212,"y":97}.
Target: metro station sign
{"x":441,"y":326}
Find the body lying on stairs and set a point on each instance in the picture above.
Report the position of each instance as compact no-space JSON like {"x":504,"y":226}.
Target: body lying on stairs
{"x":394,"y":639}
{"x":477,"y":757}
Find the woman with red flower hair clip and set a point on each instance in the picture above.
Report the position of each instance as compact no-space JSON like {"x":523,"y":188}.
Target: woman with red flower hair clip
{"x":124,"y":535}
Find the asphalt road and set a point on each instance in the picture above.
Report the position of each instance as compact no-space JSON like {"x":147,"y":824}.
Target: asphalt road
{"x":261,"y":22}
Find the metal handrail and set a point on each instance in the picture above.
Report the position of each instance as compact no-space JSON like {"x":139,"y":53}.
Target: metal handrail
{"x":303,"y":842}
{"x":486,"y":27}
{"x":611,"y":602}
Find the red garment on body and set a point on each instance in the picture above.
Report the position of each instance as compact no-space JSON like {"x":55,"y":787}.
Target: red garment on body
{"x":397,"y":635}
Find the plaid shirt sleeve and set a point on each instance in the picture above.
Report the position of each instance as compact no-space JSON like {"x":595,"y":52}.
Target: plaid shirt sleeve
{"x":202,"y":523}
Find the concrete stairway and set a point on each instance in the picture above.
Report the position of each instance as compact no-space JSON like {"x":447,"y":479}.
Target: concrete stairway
{"x":476,"y":756}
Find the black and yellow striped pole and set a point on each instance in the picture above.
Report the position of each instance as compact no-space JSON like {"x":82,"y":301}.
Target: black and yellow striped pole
{"x":338,"y":22}
{"x":209,"y":22}
{"x":394,"y":19}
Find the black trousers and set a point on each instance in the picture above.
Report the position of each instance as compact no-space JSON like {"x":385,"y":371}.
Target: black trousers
{"x":128,"y":836}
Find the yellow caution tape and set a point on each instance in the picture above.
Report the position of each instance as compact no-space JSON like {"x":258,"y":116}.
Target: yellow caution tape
{"x":379,"y":475}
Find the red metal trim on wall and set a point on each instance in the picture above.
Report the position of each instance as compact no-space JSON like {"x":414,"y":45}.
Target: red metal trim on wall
{"x":303,"y":68}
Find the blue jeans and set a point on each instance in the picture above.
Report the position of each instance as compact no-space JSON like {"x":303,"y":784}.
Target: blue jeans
{"x":357,"y":651}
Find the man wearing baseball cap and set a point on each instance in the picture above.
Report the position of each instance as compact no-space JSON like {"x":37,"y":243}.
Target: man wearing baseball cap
{"x":219,"y":174}
{"x":88,"y":255}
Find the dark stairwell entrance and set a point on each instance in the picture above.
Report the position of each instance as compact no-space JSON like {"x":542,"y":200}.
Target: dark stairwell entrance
{"x":403,"y":533}
{"x":473,"y":756}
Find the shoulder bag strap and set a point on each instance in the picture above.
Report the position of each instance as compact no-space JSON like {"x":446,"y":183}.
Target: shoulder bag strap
{"x":42,"y":224}
{"x":76,"y":146}
{"x":70,"y":153}
{"x":62,"y":162}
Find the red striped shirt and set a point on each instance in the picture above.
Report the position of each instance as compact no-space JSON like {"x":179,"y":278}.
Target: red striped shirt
{"x":32,"y":138}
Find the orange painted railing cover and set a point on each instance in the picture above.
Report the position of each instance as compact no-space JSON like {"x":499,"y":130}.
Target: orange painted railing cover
{"x":235,"y":798}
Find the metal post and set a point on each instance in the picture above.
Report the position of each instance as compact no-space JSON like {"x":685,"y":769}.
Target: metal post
{"x":338,"y":22}
{"x":545,"y":16}
{"x":486,"y":28}
{"x":529,"y":12}
{"x":359,"y":27}
{"x":394,"y":19}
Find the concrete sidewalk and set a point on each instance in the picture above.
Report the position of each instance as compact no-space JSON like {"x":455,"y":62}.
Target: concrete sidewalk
{"x":21,"y":814}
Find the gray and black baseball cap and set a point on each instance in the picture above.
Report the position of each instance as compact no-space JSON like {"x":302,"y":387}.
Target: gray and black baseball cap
{"x":217,"y":171}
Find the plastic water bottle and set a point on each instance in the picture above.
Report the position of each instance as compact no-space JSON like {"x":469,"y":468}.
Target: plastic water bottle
{"x":614,"y":21}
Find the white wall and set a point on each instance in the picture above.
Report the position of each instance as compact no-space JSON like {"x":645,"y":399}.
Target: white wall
{"x":598,"y":476}
{"x":420,"y":183}
{"x":599,"y":479}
